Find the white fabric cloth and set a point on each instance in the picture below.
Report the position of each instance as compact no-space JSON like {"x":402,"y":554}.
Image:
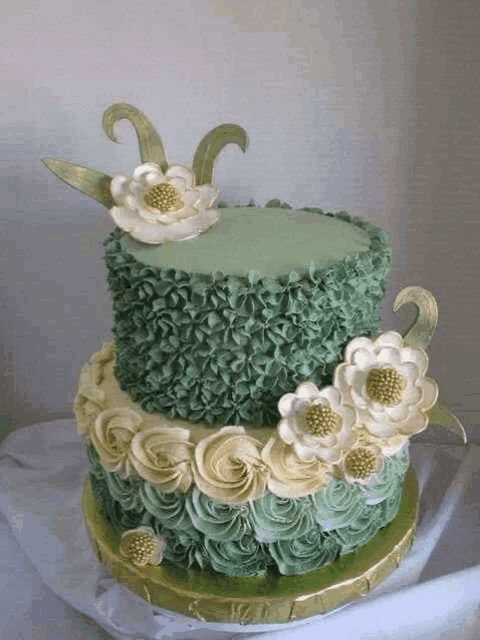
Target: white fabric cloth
{"x":52,"y":585}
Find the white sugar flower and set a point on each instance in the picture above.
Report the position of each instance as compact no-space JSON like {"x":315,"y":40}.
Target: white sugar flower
{"x":317,"y":423}
{"x":156,"y":207}
{"x":385,"y":381}
{"x":142,"y":546}
{"x":361,"y":463}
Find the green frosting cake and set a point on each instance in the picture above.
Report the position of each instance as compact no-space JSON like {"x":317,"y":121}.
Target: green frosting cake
{"x":242,"y":421}
{"x":216,"y":329}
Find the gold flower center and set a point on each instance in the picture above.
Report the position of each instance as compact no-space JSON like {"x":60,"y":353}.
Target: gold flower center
{"x":321,"y":420}
{"x":360,"y":463}
{"x":385,"y":385}
{"x":163,"y":197}
{"x":141,"y":548}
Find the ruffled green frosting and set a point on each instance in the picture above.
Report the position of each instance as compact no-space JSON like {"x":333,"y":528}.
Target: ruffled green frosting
{"x":168,"y":508}
{"x":308,"y":552}
{"x":219,"y":521}
{"x":282,"y":518}
{"x":223,"y":348}
{"x":244,"y":557}
{"x":292,"y":536}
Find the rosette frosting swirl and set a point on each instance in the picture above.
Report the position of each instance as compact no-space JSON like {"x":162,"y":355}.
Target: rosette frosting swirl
{"x":244,"y":557}
{"x":281,"y":518}
{"x":387,"y":482}
{"x":218,"y":521}
{"x":88,"y":403}
{"x":126,"y":491}
{"x":308,"y":552}
{"x":163,"y":456}
{"x":112,"y":435}
{"x":229,"y":466}
{"x":338,"y":505}
{"x":168,"y":508}
{"x":290,"y":476}
{"x":365,"y":525}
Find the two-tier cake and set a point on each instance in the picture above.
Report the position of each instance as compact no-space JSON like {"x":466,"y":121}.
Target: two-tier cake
{"x":248,"y":421}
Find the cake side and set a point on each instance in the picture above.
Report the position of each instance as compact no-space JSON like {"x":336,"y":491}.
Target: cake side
{"x":222,"y":348}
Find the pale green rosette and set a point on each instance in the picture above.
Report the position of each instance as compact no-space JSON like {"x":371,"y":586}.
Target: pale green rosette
{"x":168,"y":508}
{"x":281,"y":518}
{"x":245,"y":557}
{"x":305,"y":553}
{"x":388,"y":509}
{"x":388,"y":480}
{"x":365,"y":526}
{"x":184,"y":548}
{"x":216,"y":520}
{"x":126,"y":491}
{"x":338,"y":505}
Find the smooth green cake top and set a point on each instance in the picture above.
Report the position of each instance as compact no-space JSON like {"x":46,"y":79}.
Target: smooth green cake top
{"x":272,"y":241}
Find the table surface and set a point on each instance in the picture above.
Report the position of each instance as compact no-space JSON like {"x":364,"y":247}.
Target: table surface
{"x":53,"y":586}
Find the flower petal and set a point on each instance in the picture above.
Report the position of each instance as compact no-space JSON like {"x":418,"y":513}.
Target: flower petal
{"x":178,"y":174}
{"x":148,"y":174}
{"x":430,"y":393}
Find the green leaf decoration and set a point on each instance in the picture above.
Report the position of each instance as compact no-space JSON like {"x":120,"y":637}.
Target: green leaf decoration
{"x":423,"y":327}
{"x":90,"y":182}
{"x":443,"y":417}
{"x":151,"y":145}
{"x":211,"y":145}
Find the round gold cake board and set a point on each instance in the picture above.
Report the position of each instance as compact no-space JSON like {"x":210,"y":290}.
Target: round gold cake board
{"x":265,"y":600}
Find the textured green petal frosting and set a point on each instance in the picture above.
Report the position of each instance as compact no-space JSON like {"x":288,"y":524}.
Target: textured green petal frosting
{"x":308,"y":552}
{"x":216,"y":520}
{"x":282,"y":518}
{"x":168,"y":508}
{"x":244,"y":557}
{"x":223,"y":347}
{"x":292,"y":536}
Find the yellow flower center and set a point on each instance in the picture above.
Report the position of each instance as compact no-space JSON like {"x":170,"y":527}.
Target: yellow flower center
{"x":385,"y":385}
{"x":163,"y":197}
{"x":321,"y":420}
{"x":141,"y":548}
{"x":361,"y":463}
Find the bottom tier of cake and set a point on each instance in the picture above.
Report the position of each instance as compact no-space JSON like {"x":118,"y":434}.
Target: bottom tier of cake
{"x":270,"y":598}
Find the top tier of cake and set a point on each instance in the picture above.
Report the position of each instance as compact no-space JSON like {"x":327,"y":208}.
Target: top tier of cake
{"x":216,"y":329}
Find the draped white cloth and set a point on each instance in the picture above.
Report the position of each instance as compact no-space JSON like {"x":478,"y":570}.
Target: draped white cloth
{"x":52,"y":586}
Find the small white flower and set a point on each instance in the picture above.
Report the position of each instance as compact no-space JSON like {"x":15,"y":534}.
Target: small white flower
{"x":317,"y":423}
{"x":156,"y":207}
{"x":361,"y":463}
{"x":385,"y":381}
{"x":142,"y":546}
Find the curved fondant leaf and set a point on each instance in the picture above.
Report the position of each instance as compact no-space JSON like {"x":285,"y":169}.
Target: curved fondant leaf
{"x":90,"y":182}
{"x":423,"y":327}
{"x":151,"y":145}
{"x":443,"y":417}
{"x":211,"y":145}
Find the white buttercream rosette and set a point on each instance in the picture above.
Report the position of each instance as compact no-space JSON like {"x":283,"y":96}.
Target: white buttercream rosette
{"x":401,"y":369}
{"x":89,"y":402}
{"x":155,"y":207}
{"x":229,"y":466}
{"x":290,"y":476}
{"x":112,"y":435}
{"x":308,"y":405}
{"x":163,"y":456}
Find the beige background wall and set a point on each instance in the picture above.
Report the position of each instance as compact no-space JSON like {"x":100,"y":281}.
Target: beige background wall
{"x":361,"y":105}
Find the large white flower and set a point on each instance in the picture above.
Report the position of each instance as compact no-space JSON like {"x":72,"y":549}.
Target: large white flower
{"x":317,"y":423}
{"x":163,"y":456}
{"x":290,"y":476}
{"x":111,"y":436}
{"x":156,"y":207}
{"x":385,"y":381}
{"x":229,"y":466}
{"x":142,"y":546}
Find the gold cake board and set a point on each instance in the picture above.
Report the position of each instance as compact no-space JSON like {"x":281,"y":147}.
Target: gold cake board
{"x":211,"y":597}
